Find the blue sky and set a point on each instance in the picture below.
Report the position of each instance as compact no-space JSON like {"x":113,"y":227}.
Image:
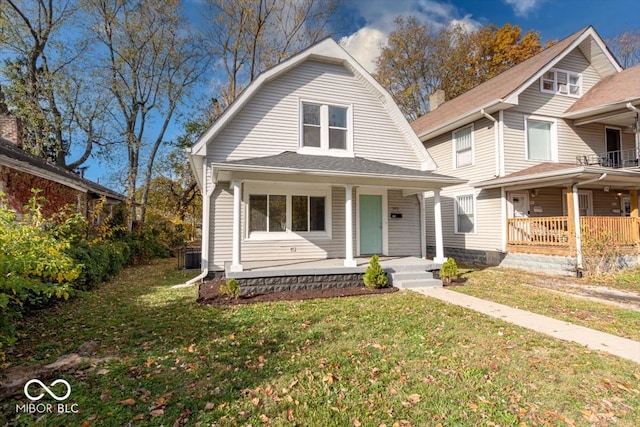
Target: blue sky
{"x":372,"y":20}
{"x":367,"y":24}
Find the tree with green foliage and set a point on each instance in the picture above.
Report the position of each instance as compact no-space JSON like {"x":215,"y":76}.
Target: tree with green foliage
{"x":375,"y":277}
{"x":417,"y":60}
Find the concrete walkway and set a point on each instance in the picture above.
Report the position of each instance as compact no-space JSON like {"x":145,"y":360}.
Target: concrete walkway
{"x":596,"y":340}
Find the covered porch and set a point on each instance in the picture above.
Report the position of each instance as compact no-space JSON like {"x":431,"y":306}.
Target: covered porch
{"x":291,"y":207}
{"x":563,"y":209}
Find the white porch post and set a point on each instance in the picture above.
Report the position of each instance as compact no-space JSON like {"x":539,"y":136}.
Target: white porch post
{"x":348,"y":224}
{"x":237,"y":199}
{"x":423,"y":227}
{"x":437,"y":212}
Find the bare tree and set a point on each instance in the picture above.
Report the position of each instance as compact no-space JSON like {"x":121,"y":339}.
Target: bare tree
{"x":249,"y":36}
{"x":626,"y":47}
{"x":151,"y":62}
{"x":42,"y":84}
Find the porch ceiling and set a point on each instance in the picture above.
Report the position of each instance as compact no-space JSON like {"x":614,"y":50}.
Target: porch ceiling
{"x":294,"y":167}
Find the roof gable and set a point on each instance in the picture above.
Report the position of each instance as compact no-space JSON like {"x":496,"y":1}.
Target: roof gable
{"x":502,"y":91}
{"x":326,"y":51}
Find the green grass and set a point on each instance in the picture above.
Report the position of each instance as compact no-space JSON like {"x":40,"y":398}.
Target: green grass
{"x":510,"y":287}
{"x":393,"y":359}
{"x":627,"y":280}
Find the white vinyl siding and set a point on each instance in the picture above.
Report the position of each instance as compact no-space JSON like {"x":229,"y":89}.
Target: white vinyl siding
{"x":271,"y":124}
{"x":465,"y":216}
{"x":313,"y":246}
{"x":404,"y":233}
{"x":463,"y":147}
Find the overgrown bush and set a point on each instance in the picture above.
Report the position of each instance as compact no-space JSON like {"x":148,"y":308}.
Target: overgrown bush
{"x":601,"y":252}
{"x":449,"y":271}
{"x":99,"y":261}
{"x":34,"y":264}
{"x":375,"y":277}
{"x":231,"y":289}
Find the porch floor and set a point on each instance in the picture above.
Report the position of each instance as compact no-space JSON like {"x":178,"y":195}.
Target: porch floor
{"x":253,"y":269}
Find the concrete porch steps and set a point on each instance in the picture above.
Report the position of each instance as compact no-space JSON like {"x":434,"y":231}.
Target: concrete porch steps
{"x":411,"y":277}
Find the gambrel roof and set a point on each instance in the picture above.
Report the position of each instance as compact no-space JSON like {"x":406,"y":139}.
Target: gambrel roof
{"x":502,"y":91}
{"x":327,"y":51}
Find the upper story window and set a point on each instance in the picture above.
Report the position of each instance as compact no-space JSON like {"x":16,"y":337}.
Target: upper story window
{"x":561,"y":82}
{"x":541,"y":139}
{"x":326,"y":128}
{"x":463,"y":146}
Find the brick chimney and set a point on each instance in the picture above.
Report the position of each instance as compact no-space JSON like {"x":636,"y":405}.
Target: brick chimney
{"x":436,"y":99}
{"x":10,"y":129}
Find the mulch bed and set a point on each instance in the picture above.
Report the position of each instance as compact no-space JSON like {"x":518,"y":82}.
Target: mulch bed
{"x":209,"y":294}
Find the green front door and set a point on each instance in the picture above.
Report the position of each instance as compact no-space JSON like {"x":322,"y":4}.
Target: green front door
{"x":370,"y":224}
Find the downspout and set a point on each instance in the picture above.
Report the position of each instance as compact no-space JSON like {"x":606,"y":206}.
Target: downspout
{"x":206,"y":206}
{"x":496,"y":137}
{"x":637,"y":131}
{"x":576,"y":221}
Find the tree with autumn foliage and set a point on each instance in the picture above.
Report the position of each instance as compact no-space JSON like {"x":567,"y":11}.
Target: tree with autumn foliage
{"x":417,"y":61}
{"x":626,"y":47}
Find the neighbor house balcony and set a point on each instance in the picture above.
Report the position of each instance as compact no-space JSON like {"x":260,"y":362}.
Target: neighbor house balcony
{"x":627,"y":158}
{"x":555,"y":235}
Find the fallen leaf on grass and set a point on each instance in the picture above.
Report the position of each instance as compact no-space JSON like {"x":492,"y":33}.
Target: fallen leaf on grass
{"x":290,"y":416}
{"x":128,"y":402}
{"x":209,"y":406}
{"x":414,"y":398}
{"x":264,"y":419}
{"x":356,"y":423}
{"x":138,"y":417}
{"x":157,"y":413}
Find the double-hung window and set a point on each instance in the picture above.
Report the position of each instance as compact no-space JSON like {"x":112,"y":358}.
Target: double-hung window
{"x":463,"y":146}
{"x":561,"y":82}
{"x":464,"y":213}
{"x":326,"y":129}
{"x":288,"y":211}
{"x":541,"y":139}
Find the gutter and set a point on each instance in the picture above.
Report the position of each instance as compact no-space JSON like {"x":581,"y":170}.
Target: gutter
{"x":576,"y":221}
{"x":206,"y":206}
{"x":496,"y":137}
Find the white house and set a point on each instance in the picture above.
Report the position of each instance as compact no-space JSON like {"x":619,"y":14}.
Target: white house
{"x":313,"y":160}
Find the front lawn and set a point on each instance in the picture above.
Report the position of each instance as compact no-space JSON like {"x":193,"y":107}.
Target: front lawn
{"x":393,"y":359}
{"x":512,"y":288}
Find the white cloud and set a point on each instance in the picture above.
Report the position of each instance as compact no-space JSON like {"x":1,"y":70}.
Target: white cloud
{"x":379,"y":15}
{"x":522,"y":7}
{"x":364,"y":45}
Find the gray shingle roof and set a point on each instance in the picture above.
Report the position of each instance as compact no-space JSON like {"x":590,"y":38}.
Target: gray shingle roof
{"x":10,"y":150}
{"x":289,"y":160}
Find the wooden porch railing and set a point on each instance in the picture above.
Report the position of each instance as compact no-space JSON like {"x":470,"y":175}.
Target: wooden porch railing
{"x":553,"y":232}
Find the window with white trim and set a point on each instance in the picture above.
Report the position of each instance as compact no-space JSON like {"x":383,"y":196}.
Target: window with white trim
{"x":464,"y":207}
{"x":325,"y":128}
{"x":287,"y":212}
{"x":463,"y":146}
{"x":541,"y":139}
{"x":561,"y":82}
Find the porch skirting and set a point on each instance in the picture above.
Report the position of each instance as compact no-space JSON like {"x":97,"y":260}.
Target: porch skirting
{"x":264,"y":285}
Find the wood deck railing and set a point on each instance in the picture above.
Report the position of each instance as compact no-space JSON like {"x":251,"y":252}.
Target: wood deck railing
{"x":552,"y":235}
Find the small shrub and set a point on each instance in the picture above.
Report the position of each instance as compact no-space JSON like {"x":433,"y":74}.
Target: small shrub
{"x":449,"y":271}
{"x":601,"y":252}
{"x":375,"y":277}
{"x":231,"y":289}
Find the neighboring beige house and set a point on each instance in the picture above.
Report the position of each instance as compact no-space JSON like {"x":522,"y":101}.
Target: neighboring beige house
{"x":549,"y":150}
{"x":314,"y":160}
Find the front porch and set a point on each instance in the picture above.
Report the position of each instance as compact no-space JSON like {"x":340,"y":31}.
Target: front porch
{"x":285,"y":275}
{"x":554,"y":236}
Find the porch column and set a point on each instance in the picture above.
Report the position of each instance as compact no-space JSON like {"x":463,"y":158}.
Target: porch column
{"x":574,"y":216}
{"x":237,"y":199}
{"x":437,"y":213}
{"x":423,"y":228}
{"x":348,"y":227}
{"x":633,"y":202}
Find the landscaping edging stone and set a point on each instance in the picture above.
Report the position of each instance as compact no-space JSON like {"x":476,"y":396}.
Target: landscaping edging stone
{"x":261,"y":285}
